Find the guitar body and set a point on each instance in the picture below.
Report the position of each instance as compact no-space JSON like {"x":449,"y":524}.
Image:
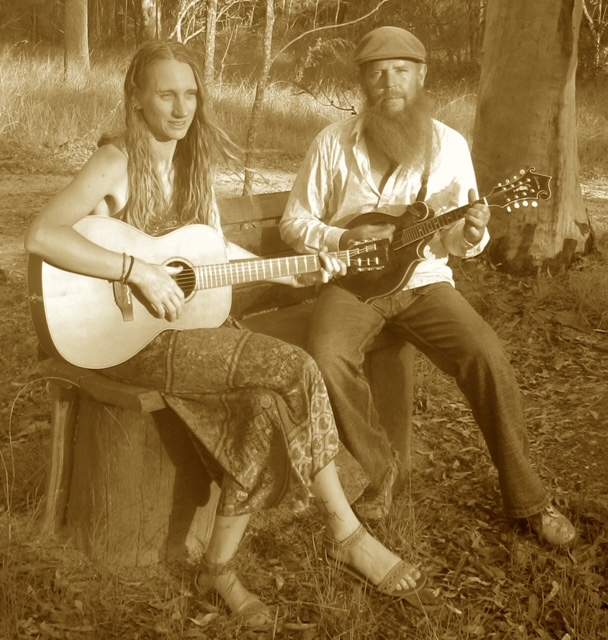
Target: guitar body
{"x":77,"y":318}
{"x":402,"y":261}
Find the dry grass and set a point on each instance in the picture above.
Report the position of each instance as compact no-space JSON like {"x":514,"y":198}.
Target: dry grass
{"x":492,"y":580}
{"x":60,"y":123}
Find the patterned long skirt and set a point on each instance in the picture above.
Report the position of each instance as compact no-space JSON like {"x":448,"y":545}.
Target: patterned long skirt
{"x":256,"y":407}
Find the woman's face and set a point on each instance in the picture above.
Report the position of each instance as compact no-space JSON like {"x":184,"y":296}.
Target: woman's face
{"x":168,"y":99}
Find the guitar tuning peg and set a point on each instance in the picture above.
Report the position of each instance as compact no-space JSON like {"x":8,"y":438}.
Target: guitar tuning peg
{"x":534,"y":203}
{"x":516,"y":205}
{"x":525,"y":203}
{"x":522,"y":172}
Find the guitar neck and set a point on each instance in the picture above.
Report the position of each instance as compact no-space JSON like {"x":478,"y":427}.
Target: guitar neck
{"x":430,"y":226}
{"x":256,"y":269}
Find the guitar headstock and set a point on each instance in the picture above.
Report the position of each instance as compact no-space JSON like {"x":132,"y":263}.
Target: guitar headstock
{"x":372,"y":255}
{"x":522,"y":190}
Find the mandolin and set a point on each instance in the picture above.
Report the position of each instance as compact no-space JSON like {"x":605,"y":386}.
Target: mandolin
{"x":417,"y":224}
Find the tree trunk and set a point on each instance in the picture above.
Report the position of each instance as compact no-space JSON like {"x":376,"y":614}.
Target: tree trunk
{"x":76,"y":63}
{"x":596,"y":31}
{"x":526,"y":117}
{"x":258,"y":102}
{"x":150,"y":20}
{"x":209,"y":69}
{"x":138,"y":493}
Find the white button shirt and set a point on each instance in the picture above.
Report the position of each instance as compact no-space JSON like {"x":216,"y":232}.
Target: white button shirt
{"x":335,"y":185}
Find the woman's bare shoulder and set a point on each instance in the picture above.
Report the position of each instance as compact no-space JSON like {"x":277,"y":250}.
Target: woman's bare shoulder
{"x":109,"y":159}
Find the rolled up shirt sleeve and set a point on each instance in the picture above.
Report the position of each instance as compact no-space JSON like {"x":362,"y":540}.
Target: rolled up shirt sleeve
{"x":453,"y":237}
{"x":302,"y":225}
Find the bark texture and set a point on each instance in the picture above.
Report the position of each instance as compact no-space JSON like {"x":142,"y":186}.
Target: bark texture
{"x":526,"y":117}
{"x":150,"y":24}
{"x":258,"y":101}
{"x":138,"y":493}
{"x":209,"y":68}
{"x":76,"y":63}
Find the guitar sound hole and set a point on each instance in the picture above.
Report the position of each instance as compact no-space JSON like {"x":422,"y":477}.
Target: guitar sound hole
{"x":186,"y":278}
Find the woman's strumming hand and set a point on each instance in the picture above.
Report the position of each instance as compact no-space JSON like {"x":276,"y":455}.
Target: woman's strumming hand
{"x":160,"y":290}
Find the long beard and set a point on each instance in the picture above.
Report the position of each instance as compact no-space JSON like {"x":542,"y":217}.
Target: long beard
{"x":405,"y":136}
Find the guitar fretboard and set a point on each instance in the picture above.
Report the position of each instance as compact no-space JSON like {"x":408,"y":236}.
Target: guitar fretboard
{"x":251,"y":270}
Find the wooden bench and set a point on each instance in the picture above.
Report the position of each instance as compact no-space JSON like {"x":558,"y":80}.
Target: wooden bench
{"x":125,"y":484}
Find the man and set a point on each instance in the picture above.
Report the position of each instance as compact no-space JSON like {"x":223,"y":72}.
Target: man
{"x":389,"y":156}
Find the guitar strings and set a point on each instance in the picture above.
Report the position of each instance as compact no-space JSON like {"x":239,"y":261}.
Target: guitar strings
{"x":223,"y":269}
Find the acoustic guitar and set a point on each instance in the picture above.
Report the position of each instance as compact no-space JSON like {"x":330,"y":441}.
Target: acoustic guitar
{"x":94,"y":323}
{"x":418,"y":223}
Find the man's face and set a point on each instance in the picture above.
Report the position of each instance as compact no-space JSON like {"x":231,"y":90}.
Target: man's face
{"x":392,"y":84}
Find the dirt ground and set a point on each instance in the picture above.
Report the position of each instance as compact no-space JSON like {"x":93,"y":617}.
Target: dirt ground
{"x":561,"y":361}
{"x":23,"y":195}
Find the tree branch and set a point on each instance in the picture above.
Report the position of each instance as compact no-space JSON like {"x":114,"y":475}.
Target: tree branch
{"x":588,"y":17}
{"x":326,"y":27}
{"x":178,"y":23}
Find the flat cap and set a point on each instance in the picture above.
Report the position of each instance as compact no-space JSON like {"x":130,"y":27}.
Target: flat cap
{"x":386,"y":43}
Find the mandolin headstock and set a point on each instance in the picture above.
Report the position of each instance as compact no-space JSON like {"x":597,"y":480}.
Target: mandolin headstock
{"x":522,"y":190}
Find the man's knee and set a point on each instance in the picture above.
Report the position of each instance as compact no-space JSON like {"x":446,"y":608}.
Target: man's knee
{"x":482,"y":345}
{"x":332,"y":354}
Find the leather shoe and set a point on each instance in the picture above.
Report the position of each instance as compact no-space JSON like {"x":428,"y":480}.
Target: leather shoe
{"x":375,"y":502}
{"x":552,"y":527}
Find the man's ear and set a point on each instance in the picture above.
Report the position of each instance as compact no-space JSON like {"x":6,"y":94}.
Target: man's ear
{"x":422,"y":74}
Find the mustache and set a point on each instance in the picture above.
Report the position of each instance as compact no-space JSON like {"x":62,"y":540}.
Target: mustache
{"x":405,"y":135}
{"x":392,"y":93}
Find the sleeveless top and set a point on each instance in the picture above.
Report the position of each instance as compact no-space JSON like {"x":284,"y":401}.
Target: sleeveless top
{"x":159,"y":223}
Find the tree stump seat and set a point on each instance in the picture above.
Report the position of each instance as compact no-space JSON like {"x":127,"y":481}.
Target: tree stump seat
{"x":125,"y":484}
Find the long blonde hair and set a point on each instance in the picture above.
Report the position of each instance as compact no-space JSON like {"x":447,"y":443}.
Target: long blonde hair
{"x":196,"y":155}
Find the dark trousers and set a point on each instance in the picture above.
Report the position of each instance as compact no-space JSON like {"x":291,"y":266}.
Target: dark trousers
{"x":440,"y":323}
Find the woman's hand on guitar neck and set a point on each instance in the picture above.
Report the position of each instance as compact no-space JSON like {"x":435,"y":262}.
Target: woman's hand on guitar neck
{"x":161,"y":292}
{"x":366,"y":232}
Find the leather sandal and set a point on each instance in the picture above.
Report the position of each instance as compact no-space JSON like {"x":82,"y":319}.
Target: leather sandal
{"x":389,"y":583}
{"x":252,"y":613}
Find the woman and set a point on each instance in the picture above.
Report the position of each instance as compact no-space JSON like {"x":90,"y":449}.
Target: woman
{"x":265,"y":426}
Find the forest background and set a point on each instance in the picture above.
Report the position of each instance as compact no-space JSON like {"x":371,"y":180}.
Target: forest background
{"x":55,"y":102}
